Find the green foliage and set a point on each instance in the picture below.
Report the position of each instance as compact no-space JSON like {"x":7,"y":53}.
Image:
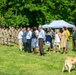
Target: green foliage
{"x":34,"y":12}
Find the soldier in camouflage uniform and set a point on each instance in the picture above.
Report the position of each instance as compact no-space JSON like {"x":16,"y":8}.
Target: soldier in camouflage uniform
{"x":16,"y":34}
{"x":17,"y":31}
{"x":10,"y":33}
{"x":8,"y":37}
{"x":12,"y":29}
{"x":3,"y":36}
{"x":0,"y":35}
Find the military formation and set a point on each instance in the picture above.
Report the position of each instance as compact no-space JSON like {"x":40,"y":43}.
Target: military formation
{"x":8,"y":35}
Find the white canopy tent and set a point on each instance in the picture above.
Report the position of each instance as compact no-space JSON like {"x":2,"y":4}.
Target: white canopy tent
{"x":58,"y":24}
{"x":45,"y":26}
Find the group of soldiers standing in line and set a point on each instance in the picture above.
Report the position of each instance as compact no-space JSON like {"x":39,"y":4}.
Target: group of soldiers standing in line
{"x":8,"y":36}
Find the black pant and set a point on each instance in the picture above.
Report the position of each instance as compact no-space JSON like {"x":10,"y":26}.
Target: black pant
{"x":25,"y":46}
{"x":74,"y":44}
{"x":41,"y":43}
{"x":29,"y":45}
{"x":51,"y":44}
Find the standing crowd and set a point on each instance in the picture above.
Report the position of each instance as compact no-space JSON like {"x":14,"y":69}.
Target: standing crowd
{"x":29,"y":39}
{"x":34,"y":38}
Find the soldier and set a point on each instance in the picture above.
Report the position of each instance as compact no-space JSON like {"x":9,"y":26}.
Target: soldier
{"x":13,"y":34}
{"x":3,"y":36}
{"x":10,"y":34}
{"x":17,"y":32}
{"x":0,"y":35}
{"x":8,"y":37}
{"x":17,"y":35}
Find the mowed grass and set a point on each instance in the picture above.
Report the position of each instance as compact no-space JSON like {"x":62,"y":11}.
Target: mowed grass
{"x":15,"y":62}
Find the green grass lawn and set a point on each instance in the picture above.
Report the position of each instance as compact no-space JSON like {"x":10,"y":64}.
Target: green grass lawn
{"x":15,"y":62}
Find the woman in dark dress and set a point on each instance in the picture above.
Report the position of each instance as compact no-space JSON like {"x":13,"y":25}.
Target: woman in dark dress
{"x":48,"y":39}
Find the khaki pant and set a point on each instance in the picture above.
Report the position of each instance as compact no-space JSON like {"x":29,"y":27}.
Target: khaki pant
{"x":0,"y":40}
{"x":20,"y":44}
{"x":8,"y":42}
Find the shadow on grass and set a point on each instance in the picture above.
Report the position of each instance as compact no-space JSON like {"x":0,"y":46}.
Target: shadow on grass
{"x":73,"y":70}
{"x":74,"y":50}
{"x":11,"y":45}
{"x":70,"y":71}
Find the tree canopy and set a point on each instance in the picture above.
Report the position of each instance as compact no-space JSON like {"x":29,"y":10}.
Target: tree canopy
{"x":36,"y":12}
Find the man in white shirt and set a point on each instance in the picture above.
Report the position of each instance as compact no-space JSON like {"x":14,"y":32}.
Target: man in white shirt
{"x":28,"y":37}
{"x":20,"y":34}
{"x":41,"y":38}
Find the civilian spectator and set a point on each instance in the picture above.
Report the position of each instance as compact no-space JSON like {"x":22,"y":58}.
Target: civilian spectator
{"x":64,"y":38}
{"x":48,"y":39}
{"x":28,"y":37}
{"x":68,"y":33}
{"x":24,"y":40}
{"x":74,"y":38}
{"x":20,"y":34}
{"x":57,"y":41}
{"x":41,"y":38}
{"x":34,"y":40}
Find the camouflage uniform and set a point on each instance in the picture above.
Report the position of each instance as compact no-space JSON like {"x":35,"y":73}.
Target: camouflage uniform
{"x":17,"y":31}
{"x":0,"y":35}
{"x":16,"y":36}
{"x":12,"y":36}
{"x":3,"y":36}
{"x":8,"y":37}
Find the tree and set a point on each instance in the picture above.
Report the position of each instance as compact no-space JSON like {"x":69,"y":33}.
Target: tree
{"x":34,"y":12}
